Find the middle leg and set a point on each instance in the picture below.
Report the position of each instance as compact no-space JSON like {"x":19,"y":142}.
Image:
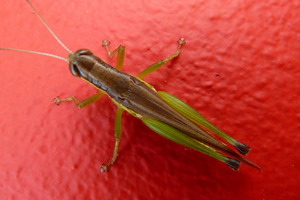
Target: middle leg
{"x":161,"y":63}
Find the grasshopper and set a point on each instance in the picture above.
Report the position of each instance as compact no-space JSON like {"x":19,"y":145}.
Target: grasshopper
{"x":162,"y":112}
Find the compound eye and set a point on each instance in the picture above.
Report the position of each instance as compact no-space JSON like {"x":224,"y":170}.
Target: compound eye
{"x":74,"y":70}
{"x":83,"y":52}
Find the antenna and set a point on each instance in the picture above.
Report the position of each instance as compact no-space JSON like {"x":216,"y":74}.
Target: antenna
{"x":49,"y":29}
{"x":53,"y":34}
{"x":35,"y":52}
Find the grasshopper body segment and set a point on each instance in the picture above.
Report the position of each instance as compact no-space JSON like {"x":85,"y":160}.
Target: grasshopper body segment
{"x":162,"y":112}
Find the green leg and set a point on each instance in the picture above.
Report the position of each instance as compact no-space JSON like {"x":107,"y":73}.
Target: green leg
{"x":84,"y":103}
{"x":180,"y":138}
{"x":197,"y":118}
{"x":118,"y":132}
{"x":120,"y":51}
{"x":159,"y":64}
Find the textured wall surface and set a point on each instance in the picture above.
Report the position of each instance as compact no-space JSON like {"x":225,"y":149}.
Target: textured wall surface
{"x":240,"y":69}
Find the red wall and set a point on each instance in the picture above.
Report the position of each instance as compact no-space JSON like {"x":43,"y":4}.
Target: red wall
{"x":240,"y":69}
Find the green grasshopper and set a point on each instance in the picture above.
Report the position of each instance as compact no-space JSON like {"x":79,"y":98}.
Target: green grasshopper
{"x":163,"y":113}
